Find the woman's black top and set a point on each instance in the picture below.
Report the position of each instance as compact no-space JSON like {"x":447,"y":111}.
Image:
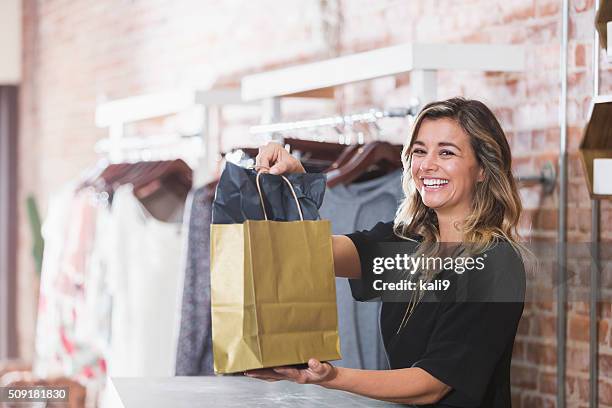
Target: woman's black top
{"x":463,"y":336}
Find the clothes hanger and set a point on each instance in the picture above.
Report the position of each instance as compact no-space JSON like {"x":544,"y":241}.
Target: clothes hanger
{"x":317,"y":150}
{"x":174,"y":175}
{"x":346,"y":155}
{"x":381,"y":154}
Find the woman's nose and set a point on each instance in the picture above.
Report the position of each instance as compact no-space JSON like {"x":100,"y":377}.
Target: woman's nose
{"x":428,"y":163}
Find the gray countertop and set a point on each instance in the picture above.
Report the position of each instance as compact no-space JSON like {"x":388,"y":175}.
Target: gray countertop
{"x":183,"y":392}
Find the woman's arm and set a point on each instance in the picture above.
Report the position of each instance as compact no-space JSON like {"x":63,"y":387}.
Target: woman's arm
{"x":346,"y":258}
{"x":404,"y":386}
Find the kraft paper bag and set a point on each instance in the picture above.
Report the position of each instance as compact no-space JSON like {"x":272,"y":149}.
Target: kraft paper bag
{"x":273,"y":294}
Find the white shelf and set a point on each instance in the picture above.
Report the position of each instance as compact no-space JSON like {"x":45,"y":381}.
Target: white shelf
{"x":379,"y":63}
{"x":148,"y":106}
{"x":609,"y":34}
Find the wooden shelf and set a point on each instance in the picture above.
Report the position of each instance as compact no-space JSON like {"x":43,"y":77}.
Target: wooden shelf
{"x":603,"y":16}
{"x":597,"y":139}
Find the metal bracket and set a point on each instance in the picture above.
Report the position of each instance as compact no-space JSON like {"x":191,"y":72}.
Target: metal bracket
{"x":547,"y":177}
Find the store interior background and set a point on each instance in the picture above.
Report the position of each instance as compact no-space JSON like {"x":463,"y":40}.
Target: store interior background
{"x":78,"y":54}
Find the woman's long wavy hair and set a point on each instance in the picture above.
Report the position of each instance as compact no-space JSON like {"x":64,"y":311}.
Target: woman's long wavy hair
{"x":496,"y":205}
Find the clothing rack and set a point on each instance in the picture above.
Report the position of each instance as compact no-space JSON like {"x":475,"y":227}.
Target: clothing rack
{"x":155,"y":147}
{"x":338,"y":121}
{"x":199,"y":151}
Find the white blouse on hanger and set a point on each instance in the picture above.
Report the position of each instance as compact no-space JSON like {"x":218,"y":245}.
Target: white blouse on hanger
{"x":144,"y":272}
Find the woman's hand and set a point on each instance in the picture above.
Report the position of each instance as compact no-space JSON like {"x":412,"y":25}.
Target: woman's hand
{"x":316,"y":373}
{"x":275,"y":159}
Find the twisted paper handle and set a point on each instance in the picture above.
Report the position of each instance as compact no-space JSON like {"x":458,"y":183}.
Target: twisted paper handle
{"x":263,"y":207}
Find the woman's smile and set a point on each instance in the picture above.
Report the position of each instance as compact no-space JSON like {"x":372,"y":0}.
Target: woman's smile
{"x":434,"y":185}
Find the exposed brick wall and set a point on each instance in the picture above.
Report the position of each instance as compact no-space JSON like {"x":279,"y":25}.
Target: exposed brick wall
{"x":79,"y":53}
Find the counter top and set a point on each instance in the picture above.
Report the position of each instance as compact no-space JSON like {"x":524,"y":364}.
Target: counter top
{"x":229,"y":391}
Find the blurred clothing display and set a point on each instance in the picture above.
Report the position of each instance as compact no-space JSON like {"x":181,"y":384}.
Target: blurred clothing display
{"x":350,"y":208}
{"x":64,"y":347}
{"x":194,"y":350}
{"x":110,"y":276}
{"x":143,"y":278}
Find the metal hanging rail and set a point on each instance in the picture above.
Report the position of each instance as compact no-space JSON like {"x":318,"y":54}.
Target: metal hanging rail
{"x":371,"y":116}
{"x":562,"y":215}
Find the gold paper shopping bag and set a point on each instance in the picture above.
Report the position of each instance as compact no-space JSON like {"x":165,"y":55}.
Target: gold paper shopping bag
{"x":273,"y":293}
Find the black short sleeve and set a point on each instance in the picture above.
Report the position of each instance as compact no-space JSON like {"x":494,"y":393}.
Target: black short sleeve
{"x":366,"y":243}
{"x":369,"y":246}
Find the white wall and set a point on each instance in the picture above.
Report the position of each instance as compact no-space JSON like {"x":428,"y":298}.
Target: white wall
{"x":10,"y":42}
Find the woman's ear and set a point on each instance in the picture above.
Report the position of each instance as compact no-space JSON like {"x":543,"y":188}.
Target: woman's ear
{"x":481,"y":175}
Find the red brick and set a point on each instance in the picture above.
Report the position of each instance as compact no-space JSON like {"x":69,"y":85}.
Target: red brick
{"x":541,"y":354}
{"x":532,"y":401}
{"x":578,"y":328}
{"x":603,"y":331}
{"x":520,"y":12}
{"x":578,"y":359}
{"x":524,"y":377}
{"x":545,"y":8}
{"x":543,"y":31}
{"x":580,"y":55}
{"x":605,"y":392}
{"x":605,"y":365}
{"x":546,"y":219}
{"x":547,"y":383}
{"x":544,"y":326}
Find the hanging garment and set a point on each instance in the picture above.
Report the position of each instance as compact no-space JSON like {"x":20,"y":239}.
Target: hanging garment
{"x":98,"y":300}
{"x":194,"y":349}
{"x":64,"y":346}
{"x":144,"y":271}
{"x":350,"y":208}
{"x":48,"y":345}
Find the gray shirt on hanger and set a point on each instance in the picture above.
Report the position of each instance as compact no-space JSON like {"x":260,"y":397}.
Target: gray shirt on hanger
{"x":356,"y":207}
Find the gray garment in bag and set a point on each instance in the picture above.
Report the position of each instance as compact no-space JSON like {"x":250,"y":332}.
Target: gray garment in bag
{"x":356,"y":207}
{"x":194,"y":353}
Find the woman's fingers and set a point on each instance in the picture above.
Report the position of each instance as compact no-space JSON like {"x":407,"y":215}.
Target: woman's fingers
{"x":316,"y":367}
{"x":316,"y":373}
{"x":267,"y":374}
{"x":277,"y":160}
{"x":262,"y":161}
{"x":279,"y":168}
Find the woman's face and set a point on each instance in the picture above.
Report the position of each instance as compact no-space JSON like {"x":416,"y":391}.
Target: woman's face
{"x":444,"y":166}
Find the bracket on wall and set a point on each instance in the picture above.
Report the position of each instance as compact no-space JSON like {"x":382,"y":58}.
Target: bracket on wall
{"x":547,"y":178}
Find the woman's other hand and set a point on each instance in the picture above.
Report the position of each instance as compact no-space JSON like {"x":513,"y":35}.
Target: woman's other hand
{"x":316,"y":373}
{"x":273,"y":158}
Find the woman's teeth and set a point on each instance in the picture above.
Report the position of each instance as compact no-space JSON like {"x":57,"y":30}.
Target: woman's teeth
{"x":435,"y":183}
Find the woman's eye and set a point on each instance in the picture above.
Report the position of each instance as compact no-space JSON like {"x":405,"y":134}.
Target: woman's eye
{"x":418,"y":151}
{"x":446,"y":153}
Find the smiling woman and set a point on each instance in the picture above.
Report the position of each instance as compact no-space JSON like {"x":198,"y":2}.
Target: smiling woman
{"x":443,"y":351}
